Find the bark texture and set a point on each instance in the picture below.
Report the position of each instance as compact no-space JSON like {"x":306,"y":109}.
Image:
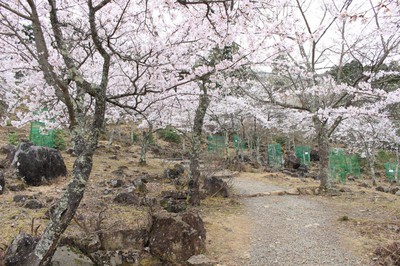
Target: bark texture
{"x":323,"y":145}
{"x":85,"y":131}
{"x":194,"y":185}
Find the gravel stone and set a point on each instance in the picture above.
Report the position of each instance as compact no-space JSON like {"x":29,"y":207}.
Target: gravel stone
{"x":291,"y":230}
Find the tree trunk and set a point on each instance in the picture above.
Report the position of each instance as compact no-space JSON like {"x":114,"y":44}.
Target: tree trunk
{"x":258,"y":142}
{"x":85,"y":134}
{"x":145,"y":144}
{"x":67,"y":205}
{"x":371,"y":163}
{"x":227,"y":154}
{"x":194,"y":185}
{"x":64,"y":212}
{"x":323,"y":146}
{"x":372,"y":169}
{"x":241,"y":139}
{"x":183,"y":147}
{"x":396,"y":172}
{"x":111,"y":139}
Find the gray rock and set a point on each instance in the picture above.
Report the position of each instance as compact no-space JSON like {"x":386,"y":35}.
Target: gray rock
{"x":9,"y":150}
{"x":345,"y":189}
{"x":16,"y":187}
{"x":107,"y":191}
{"x":116,"y":258}
{"x":365,"y":185}
{"x":116,"y":183}
{"x":20,"y":198}
{"x":393,"y":190}
{"x":127,"y":198}
{"x":68,"y":256}
{"x":303,"y":169}
{"x":140,"y":184}
{"x":174,"y":172}
{"x":173,"y":205}
{"x":124,"y":239}
{"x":6,"y":149}
{"x":179,"y":195}
{"x":33,"y":204}
{"x":381,"y":189}
{"x":398,"y":193}
{"x":176,"y":237}
{"x":200,"y":260}
{"x":291,"y":161}
{"x":174,"y":201}
{"x":19,"y":250}
{"x":216,"y":187}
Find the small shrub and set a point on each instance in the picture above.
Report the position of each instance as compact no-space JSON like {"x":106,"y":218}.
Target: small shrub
{"x":13,"y":138}
{"x":59,"y":141}
{"x":170,"y":135}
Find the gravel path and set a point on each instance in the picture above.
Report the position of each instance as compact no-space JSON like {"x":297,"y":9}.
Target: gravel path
{"x":291,"y":230}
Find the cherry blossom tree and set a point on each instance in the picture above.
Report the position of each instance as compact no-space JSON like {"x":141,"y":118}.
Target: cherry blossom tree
{"x":88,"y":60}
{"x":366,"y":134}
{"x":85,"y":60}
{"x":322,"y":36}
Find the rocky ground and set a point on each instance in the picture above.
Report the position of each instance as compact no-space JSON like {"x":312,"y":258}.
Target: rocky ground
{"x":259,"y":224}
{"x":340,"y":227}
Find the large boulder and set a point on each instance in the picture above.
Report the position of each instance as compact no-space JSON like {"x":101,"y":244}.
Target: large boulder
{"x":292,"y":162}
{"x":174,"y":201}
{"x":174,"y":172}
{"x":116,"y":258}
{"x":216,"y":187}
{"x":124,"y":239}
{"x":302,"y":169}
{"x":19,"y":250}
{"x":9,"y":151}
{"x":66,"y":255}
{"x":176,"y":237}
{"x":38,"y":165}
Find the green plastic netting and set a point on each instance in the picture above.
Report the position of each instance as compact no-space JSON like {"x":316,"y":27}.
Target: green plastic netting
{"x":274,"y":155}
{"x":238,"y":143}
{"x":303,"y":153}
{"x":216,"y":143}
{"x":391,"y":171}
{"x":342,"y":165}
{"x":353,"y":165}
{"x":40,"y":136}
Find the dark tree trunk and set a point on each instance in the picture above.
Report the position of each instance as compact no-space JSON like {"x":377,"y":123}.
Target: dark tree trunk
{"x":371,"y":163}
{"x":194,"y":185}
{"x":323,"y":145}
{"x":85,"y":135}
{"x":67,"y":205}
{"x":145,"y":144}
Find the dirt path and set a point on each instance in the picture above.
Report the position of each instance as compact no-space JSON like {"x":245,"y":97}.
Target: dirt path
{"x":292,"y":230}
